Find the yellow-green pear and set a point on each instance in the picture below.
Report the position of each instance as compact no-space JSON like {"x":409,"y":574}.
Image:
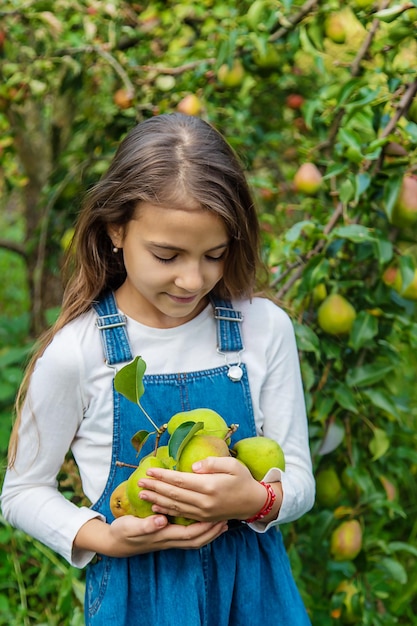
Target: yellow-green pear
{"x":328,"y":487}
{"x":336,"y":315}
{"x":214,"y":424}
{"x":141,"y":508}
{"x":231,"y":76}
{"x":346,"y":541}
{"x":200,"y":447}
{"x":190,"y":105}
{"x":259,"y":454}
{"x":308,"y":179}
{"x":119,"y":502}
{"x":392,"y":277}
{"x":405,"y":209}
{"x":334,"y":28}
{"x":162,"y":453}
{"x":182,"y":521}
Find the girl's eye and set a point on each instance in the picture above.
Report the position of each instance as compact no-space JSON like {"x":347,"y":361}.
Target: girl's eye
{"x":208,"y":257}
{"x":162,"y":260}
{"x":216,"y":258}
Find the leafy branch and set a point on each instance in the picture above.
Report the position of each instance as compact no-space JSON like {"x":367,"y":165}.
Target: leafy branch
{"x":354,"y":72}
{"x":292,"y":21}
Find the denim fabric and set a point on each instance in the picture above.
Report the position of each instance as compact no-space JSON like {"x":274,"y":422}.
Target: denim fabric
{"x":243,"y":578}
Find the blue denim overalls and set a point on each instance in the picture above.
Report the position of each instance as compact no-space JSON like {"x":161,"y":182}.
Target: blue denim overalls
{"x":243,"y":577}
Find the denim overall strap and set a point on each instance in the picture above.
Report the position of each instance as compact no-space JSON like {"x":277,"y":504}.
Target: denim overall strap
{"x":112,"y":326}
{"x":229,"y":339}
{"x":228,"y":320}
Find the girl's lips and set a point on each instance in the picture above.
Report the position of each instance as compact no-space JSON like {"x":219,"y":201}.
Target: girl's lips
{"x":182,"y":299}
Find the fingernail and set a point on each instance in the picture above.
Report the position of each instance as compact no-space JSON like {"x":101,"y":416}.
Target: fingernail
{"x":196,"y":466}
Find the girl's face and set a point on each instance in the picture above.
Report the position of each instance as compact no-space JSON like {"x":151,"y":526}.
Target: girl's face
{"x":173,"y":259}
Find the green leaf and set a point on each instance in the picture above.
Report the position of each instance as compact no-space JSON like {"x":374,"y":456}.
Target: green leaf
{"x":181,"y":436}
{"x":345,"y":92}
{"x":324,"y":407}
{"x":349,"y":138}
{"x":383,"y":400}
{"x":379,"y":444}
{"x":394,"y":569}
{"x":391,"y":191}
{"x":368,"y":374}
{"x":354,"y":232}
{"x":407,"y":269}
{"x":346,"y":191}
{"x":365,"y":328}
{"x":362,"y":181}
{"x":307,"y":340}
{"x":10,"y":356}
{"x":346,"y":398}
{"x":129,"y":380}
{"x":390,"y":14}
{"x":308,"y":374}
{"x":316,"y":270}
{"x":139,"y":439}
{"x":361,"y":117}
{"x":399,"y":546}
{"x":384,"y":250}
{"x":294,"y":233}
{"x":332,"y":439}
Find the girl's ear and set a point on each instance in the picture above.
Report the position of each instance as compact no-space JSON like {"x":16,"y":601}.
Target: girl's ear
{"x":116,"y":235}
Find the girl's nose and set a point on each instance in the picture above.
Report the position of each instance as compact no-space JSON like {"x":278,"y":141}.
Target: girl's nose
{"x":190,"y":278}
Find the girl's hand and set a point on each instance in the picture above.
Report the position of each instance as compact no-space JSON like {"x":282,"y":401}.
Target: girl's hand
{"x":129,"y":535}
{"x":220,"y":488}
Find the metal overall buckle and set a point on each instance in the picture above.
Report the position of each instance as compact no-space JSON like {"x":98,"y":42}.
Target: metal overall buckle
{"x":235,"y":371}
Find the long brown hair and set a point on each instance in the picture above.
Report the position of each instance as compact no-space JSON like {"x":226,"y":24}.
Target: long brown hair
{"x":164,"y":160}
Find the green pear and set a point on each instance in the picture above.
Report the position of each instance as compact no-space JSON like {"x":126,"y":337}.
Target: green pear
{"x":162,"y":453}
{"x":346,"y":541}
{"x":259,"y":454}
{"x":214,"y":424}
{"x":141,"y":508}
{"x":404,"y":212}
{"x":119,"y":502}
{"x":200,"y":447}
{"x":336,"y":315}
{"x":308,"y":179}
{"x":328,"y":487}
{"x":182,"y":521}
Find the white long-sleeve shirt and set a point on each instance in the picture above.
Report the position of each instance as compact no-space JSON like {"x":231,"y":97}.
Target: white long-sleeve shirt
{"x":69,"y":406}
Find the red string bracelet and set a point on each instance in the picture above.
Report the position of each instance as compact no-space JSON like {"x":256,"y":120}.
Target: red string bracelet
{"x":267,"y":507}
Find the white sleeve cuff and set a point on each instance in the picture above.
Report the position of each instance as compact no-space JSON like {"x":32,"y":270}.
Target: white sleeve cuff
{"x":81,"y":558}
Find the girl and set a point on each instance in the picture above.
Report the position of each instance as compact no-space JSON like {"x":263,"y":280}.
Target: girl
{"x":166,"y":256}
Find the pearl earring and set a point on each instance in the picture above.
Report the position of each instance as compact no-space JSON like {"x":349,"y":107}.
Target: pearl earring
{"x":115,"y":250}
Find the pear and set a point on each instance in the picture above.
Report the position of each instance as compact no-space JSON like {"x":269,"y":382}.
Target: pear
{"x":162,"y":453}
{"x":405,"y":209}
{"x":346,"y":541}
{"x":231,"y":76}
{"x":200,"y":447}
{"x":336,"y":315}
{"x":119,"y":502}
{"x":392,"y":277}
{"x":141,"y":508}
{"x":328,"y":487}
{"x":182,"y":521}
{"x":190,"y":105}
{"x":259,"y":454}
{"x":308,"y":179}
{"x":334,"y":28}
{"x":214,"y":424}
